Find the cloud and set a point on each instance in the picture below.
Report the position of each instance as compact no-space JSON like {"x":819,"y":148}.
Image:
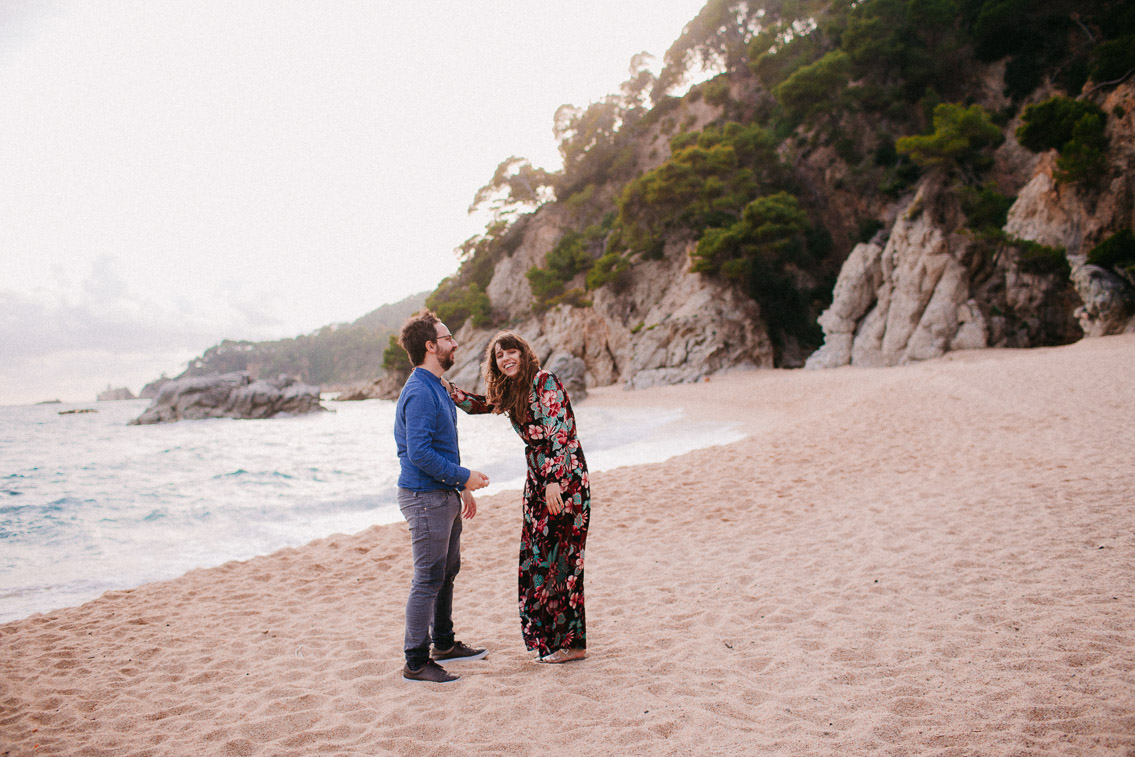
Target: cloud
{"x":103,"y":313}
{"x":84,"y":334}
{"x":78,"y":375}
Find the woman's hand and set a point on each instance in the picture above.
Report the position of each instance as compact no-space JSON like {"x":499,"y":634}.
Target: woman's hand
{"x":552,"y":495}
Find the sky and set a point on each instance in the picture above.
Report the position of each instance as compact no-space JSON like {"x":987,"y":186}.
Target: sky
{"x":177,"y":173}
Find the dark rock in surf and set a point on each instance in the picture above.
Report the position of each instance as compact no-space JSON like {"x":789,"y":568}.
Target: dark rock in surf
{"x":229,"y":395}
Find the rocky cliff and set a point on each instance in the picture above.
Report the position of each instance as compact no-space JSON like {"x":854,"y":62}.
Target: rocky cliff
{"x":866,"y":183}
{"x":661,"y":324}
{"x":929,"y":285}
{"x":1075,"y":220}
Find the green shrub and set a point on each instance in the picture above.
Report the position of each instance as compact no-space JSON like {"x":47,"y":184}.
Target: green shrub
{"x":885,"y":153}
{"x":707,"y":181}
{"x":816,"y":87}
{"x":1076,"y":128}
{"x":574,"y":252}
{"x":665,"y":106}
{"x":581,"y":198}
{"x":1051,"y":124}
{"x":1040,"y":259}
{"x":394,"y":358}
{"x":772,"y":68}
{"x":960,"y":135}
{"x":683,"y":140}
{"x":545,"y":284}
{"x":716,"y":91}
{"x":986,"y":209}
{"x":1117,"y":251}
{"x":575,"y":297}
{"x":846,"y":150}
{"x":771,"y":227}
{"x":455,"y":303}
{"x":1113,"y":59}
{"x":1084,"y":158}
{"x":1001,"y":28}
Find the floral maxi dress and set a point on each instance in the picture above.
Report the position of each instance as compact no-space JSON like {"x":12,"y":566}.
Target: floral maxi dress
{"x":551,"y":546}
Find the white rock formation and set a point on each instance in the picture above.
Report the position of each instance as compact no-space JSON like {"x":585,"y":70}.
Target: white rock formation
{"x":905,"y":302}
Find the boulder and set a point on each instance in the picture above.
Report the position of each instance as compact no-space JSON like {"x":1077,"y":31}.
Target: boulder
{"x":386,"y":387}
{"x":229,"y":395}
{"x":571,"y":371}
{"x":1108,"y":301}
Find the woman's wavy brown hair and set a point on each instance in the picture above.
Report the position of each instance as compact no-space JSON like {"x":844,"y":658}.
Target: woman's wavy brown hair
{"x":510,"y":395}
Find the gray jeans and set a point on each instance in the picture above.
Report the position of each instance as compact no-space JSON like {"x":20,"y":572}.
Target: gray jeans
{"x":435,"y":537}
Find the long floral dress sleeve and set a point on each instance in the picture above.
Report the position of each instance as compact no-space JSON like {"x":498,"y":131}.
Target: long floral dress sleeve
{"x":551,"y":593}
{"x":473,"y":404}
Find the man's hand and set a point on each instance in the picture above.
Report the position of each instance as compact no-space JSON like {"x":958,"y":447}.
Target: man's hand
{"x":477,"y":480}
{"x":469,"y":508}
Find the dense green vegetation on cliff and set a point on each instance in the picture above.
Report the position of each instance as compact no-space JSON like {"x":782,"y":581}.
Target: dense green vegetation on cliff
{"x":886,"y":88}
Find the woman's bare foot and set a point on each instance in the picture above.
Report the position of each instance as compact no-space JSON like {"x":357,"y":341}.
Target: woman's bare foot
{"x":563,"y":655}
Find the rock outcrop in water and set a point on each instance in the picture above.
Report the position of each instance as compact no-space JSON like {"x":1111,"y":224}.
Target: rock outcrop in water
{"x":114,"y":395}
{"x":229,"y":395}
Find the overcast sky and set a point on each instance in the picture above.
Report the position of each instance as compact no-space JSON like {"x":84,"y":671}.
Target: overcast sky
{"x":176,"y":173}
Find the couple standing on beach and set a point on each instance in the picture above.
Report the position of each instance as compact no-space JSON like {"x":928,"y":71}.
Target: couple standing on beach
{"x":435,"y":492}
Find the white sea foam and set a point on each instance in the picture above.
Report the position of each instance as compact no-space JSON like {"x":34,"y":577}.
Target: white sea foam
{"x":89,"y":504}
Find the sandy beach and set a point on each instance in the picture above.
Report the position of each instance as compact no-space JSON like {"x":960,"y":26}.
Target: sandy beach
{"x":935,"y":559}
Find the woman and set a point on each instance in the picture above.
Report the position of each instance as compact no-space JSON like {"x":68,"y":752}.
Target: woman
{"x":557,"y":495}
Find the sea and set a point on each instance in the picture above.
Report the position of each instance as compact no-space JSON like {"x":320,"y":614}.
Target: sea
{"x":89,"y":504}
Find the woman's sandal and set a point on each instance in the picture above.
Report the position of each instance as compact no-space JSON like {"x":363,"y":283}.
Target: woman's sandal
{"x":563,"y":655}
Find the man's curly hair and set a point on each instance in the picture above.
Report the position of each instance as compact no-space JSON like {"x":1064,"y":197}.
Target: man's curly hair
{"x":416,"y":331}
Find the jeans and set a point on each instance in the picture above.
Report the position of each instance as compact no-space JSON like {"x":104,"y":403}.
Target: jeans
{"x":435,"y":538}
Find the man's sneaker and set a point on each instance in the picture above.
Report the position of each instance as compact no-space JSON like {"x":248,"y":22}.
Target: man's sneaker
{"x":458,"y":653}
{"x":431,"y":672}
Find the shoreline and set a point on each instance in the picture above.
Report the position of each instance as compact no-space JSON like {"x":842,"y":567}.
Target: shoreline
{"x":930,"y":558}
{"x":46,"y":574}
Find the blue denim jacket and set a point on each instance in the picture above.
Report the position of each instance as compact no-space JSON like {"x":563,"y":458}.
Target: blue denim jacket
{"x":425,"y":429}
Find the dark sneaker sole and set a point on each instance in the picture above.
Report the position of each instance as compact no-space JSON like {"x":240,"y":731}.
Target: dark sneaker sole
{"x":479,"y":656}
{"x":429,"y":680}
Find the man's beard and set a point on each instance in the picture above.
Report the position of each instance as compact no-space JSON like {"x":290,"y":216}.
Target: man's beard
{"x":446,"y":360}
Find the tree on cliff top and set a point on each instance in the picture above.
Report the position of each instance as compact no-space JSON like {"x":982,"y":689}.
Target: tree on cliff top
{"x":516,"y":187}
{"x":717,"y":40}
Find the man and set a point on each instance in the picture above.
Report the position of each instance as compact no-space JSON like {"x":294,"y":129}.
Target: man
{"x":434,"y":491}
